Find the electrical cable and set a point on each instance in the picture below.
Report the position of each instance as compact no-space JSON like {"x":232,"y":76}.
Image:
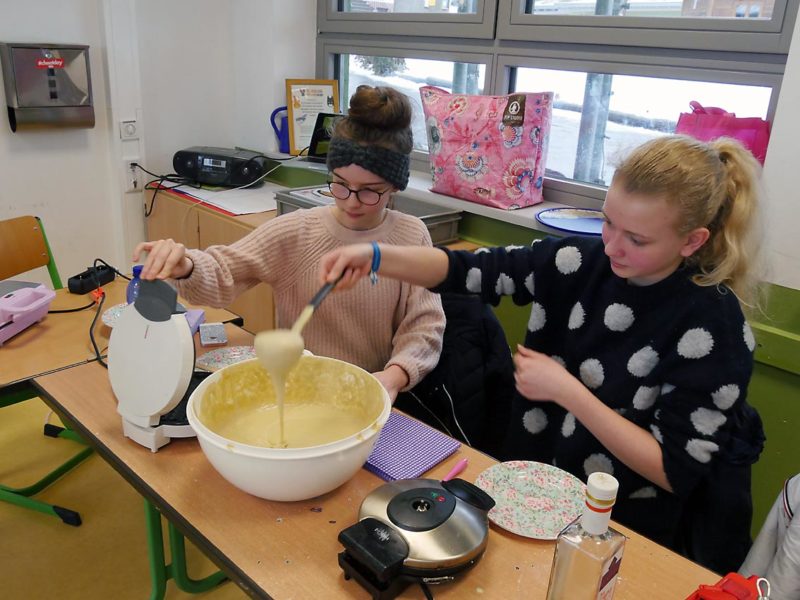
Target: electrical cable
{"x":102,"y":262}
{"x":100,"y":303}
{"x":180,"y":180}
{"x":455,"y":419}
{"x":425,"y":590}
{"x":432,"y":414}
{"x":281,"y":162}
{"x":161,"y":186}
{"x":157,"y":176}
{"x":91,"y":304}
{"x":279,"y":165}
{"x":91,"y":330}
{"x":71,"y":310}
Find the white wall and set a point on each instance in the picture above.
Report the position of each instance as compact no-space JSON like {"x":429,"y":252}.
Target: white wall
{"x":187,"y":72}
{"x":781,"y":176}
{"x":212,"y":71}
{"x":61,"y":175}
{"x":273,"y":41}
{"x":193,"y":72}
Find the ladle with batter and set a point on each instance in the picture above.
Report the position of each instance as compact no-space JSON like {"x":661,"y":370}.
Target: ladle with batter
{"x":280,"y":349}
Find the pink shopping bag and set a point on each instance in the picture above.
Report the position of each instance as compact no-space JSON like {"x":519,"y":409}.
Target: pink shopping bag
{"x":488,"y":149}
{"x":709,"y":123}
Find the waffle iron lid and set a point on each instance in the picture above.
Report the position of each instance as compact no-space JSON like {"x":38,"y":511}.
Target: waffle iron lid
{"x":436,"y":525}
{"x":150,"y":354}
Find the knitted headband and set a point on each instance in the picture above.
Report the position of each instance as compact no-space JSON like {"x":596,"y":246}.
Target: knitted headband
{"x":388,"y":164}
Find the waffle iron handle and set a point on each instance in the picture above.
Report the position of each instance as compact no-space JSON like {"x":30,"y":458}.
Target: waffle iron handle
{"x":376,"y":547}
{"x":469,"y":493}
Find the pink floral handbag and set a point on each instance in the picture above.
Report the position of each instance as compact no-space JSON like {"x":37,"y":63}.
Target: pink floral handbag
{"x":488,"y":149}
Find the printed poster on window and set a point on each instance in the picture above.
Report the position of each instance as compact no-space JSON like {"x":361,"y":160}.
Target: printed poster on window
{"x":305,"y":98}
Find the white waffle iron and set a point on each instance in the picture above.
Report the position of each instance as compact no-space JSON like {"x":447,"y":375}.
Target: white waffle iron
{"x":415,"y":531}
{"x":150,"y":364}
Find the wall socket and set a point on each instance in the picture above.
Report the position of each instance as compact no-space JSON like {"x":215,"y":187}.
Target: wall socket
{"x":132,"y":176}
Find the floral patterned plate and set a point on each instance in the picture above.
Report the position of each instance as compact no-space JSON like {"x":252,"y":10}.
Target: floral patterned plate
{"x":111,"y":315}
{"x":214,"y":360}
{"x":532,"y":499}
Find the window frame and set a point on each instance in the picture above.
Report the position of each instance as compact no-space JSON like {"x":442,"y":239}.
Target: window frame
{"x":701,"y":33}
{"x":693,"y":60}
{"x":733,"y":68}
{"x":333,"y":46}
{"x":477,"y":25}
{"x":710,"y":68}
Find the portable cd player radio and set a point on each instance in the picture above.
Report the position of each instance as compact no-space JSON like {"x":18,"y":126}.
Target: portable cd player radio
{"x":219,"y":166}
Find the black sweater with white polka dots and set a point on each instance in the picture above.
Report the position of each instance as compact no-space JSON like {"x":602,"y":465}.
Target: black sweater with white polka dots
{"x":673,"y":357}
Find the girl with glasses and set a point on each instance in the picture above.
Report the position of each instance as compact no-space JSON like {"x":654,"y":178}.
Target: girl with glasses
{"x":390,"y":328}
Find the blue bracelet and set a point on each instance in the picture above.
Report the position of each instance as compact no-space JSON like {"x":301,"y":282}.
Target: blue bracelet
{"x":376,"y":263}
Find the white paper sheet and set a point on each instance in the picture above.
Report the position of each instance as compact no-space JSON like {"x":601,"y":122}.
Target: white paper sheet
{"x":242,"y":201}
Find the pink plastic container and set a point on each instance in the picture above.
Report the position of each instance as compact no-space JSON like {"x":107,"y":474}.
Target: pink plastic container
{"x":22,"y":308}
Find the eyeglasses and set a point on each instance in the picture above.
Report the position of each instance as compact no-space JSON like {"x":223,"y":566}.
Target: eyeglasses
{"x":365,"y":196}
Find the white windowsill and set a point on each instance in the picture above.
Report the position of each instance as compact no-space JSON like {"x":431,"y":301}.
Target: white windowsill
{"x":419,"y":188}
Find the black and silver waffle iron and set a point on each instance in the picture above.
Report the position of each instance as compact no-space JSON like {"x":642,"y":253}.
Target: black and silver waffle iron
{"x":415,"y":531}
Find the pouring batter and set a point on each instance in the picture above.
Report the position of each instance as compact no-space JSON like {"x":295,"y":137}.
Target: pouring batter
{"x":279,"y":350}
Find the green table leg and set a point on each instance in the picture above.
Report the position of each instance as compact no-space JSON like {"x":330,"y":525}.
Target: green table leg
{"x":70,"y":517}
{"x":160,"y":571}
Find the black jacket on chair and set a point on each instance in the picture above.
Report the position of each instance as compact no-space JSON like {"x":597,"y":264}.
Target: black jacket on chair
{"x":468,"y":394}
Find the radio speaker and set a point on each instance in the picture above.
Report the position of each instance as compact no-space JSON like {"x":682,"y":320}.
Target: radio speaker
{"x":219,"y":166}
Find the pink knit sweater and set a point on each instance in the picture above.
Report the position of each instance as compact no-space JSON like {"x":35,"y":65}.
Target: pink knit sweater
{"x":372,"y":326}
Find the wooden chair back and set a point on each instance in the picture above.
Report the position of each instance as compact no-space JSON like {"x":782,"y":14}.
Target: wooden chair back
{"x":23,"y":247}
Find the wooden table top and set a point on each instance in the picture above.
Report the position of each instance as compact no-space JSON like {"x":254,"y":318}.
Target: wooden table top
{"x":289,"y":549}
{"x":62,"y":340}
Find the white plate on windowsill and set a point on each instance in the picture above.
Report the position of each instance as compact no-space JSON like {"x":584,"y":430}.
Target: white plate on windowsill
{"x":585,"y":221}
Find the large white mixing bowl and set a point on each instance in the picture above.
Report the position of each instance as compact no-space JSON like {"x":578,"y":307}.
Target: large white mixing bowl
{"x":289,"y":473}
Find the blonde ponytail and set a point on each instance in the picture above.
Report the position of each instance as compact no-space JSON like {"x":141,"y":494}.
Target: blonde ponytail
{"x":714,"y":185}
{"x":732,"y":255}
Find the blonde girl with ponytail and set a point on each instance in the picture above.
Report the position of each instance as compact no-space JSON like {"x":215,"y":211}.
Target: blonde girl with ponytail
{"x":637,"y":354}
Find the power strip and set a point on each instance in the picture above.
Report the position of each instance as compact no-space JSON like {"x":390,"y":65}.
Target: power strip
{"x":90,"y":279}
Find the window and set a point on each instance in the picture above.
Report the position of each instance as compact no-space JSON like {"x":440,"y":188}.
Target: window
{"x":755,"y":9}
{"x":727,"y":25}
{"x":408,"y":75}
{"x":598,"y":117}
{"x":621,"y":71}
{"x":428,"y":7}
{"x":436,"y":18}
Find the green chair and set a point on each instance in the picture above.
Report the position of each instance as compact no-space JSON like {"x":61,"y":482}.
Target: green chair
{"x":24,"y":247}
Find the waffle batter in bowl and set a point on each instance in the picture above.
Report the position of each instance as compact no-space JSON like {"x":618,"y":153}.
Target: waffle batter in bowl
{"x":333,"y":412}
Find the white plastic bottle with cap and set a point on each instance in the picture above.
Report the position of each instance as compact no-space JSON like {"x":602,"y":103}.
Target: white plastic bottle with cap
{"x":589,"y":552}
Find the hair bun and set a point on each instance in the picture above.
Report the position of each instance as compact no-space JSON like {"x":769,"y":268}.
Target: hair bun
{"x":380,"y":107}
